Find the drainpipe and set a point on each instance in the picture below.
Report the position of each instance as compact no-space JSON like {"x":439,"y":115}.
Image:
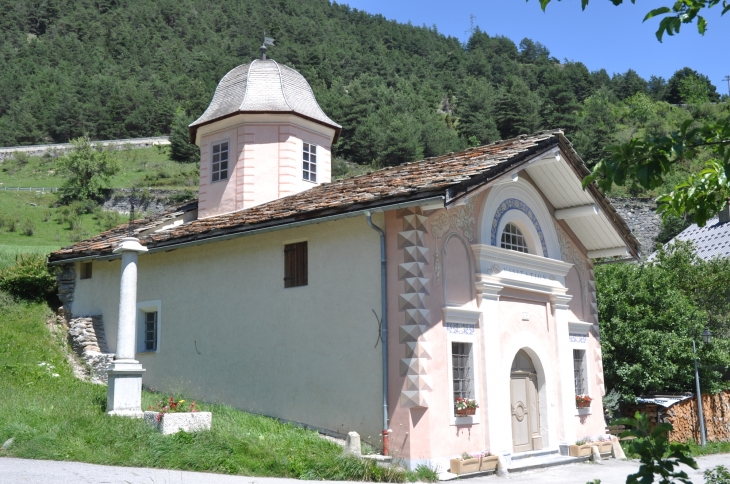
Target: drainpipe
{"x":383,"y":327}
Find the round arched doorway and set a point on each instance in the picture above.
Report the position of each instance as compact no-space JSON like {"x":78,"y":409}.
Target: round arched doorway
{"x":525,"y":405}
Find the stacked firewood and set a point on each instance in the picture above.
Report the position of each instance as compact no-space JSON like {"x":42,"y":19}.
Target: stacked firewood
{"x":685,"y":419}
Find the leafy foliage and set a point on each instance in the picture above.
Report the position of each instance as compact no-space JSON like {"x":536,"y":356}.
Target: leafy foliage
{"x":717,"y":475}
{"x":88,"y":170}
{"x":681,"y":12}
{"x":28,"y":278}
{"x":657,"y":456}
{"x":181,"y":149}
{"x":651,"y":312}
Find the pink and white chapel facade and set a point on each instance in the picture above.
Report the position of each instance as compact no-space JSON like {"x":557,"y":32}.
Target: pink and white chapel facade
{"x":371,"y":303}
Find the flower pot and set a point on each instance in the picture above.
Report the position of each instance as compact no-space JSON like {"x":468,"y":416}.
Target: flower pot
{"x":489,"y":463}
{"x":583,"y":404}
{"x":580,"y":450}
{"x":605,"y":447}
{"x":172,"y":423}
{"x":467,"y":466}
{"x":465,"y":412}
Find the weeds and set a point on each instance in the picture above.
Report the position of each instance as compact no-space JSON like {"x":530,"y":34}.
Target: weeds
{"x":28,"y":228}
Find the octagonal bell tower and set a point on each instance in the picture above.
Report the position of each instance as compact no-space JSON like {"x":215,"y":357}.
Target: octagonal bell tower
{"x":262,"y":137}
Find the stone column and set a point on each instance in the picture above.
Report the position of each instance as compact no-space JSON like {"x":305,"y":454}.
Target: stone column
{"x":124,"y":393}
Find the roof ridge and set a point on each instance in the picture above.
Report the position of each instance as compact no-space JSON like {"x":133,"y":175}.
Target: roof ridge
{"x":245,"y":92}
{"x":281,"y":84}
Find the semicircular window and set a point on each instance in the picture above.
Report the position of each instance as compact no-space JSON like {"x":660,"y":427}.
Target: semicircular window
{"x":513,"y":239}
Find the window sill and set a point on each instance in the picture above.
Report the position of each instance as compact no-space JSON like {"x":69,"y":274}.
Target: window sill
{"x":310,"y":181}
{"x":583,"y":411}
{"x":147,"y":352}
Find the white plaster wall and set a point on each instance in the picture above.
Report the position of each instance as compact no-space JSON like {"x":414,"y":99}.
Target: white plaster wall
{"x":305,"y":354}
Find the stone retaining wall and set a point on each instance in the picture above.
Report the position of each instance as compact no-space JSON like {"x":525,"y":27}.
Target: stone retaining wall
{"x":87,"y":338}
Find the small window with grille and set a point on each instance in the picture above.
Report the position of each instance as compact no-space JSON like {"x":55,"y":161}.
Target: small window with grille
{"x":219,"y":161}
{"x":462,"y":364}
{"x":150,"y":331}
{"x":295,"y":264}
{"x":309,"y":162}
{"x":513,"y":239}
{"x":580,"y":372}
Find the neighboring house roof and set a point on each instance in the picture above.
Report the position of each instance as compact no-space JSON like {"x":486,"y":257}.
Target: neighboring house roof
{"x":452,"y":177}
{"x":712,"y":240}
{"x":263,"y":86}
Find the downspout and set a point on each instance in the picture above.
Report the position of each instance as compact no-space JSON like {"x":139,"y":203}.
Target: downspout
{"x":383,"y":326}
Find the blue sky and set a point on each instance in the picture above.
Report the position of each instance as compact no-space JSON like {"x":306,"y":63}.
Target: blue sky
{"x":602,"y":36}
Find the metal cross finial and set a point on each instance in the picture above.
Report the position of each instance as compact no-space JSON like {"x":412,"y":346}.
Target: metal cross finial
{"x":132,"y":199}
{"x":267,"y":41}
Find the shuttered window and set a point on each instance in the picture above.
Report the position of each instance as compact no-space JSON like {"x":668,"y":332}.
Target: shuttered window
{"x":295,"y":264}
{"x":86,"y":270}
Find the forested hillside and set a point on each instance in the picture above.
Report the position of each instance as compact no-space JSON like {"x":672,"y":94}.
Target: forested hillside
{"x":123,"y":68}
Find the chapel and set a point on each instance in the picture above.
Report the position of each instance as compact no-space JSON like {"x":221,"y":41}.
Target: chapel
{"x":377,"y":303}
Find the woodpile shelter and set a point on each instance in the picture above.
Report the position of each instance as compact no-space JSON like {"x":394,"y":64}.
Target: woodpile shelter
{"x":375,"y":302}
{"x":680,"y":410}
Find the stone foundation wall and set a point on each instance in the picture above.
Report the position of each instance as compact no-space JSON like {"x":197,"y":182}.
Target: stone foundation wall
{"x":66,"y":281}
{"x":87,"y":338}
{"x":641,"y":217}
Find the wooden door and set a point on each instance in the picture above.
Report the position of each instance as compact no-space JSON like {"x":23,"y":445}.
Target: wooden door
{"x":520,"y":403}
{"x":525,"y":405}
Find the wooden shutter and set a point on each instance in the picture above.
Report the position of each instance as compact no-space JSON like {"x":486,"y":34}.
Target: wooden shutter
{"x":295,"y":264}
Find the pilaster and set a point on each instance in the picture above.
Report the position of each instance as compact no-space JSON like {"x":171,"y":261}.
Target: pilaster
{"x":566,"y":402}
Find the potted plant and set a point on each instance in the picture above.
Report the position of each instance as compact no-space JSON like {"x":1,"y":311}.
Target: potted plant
{"x":466,"y":464}
{"x":604,"y":443}
{"x":583,"y":401}
{"x":170,"y":416}
{"x":489,"y":462}
{"x":466,"y":407}
{"x":581,"y":448}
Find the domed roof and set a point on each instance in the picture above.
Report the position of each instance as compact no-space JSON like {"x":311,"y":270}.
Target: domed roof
{"x":263,"y":86}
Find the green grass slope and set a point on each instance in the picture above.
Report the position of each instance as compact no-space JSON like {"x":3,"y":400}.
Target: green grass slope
{"x":52,"y":415}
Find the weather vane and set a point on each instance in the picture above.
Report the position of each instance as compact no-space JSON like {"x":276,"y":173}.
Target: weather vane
{"x":267,"y":41}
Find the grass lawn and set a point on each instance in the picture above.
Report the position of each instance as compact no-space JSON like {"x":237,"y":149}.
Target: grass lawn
{"x":29,"y":222}
{"x":52,"y":415}
{"x":147,"y":167}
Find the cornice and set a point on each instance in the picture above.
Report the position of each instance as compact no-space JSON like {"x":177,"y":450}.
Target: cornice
{"x":491,"y":254}
{"x":462,"y":315}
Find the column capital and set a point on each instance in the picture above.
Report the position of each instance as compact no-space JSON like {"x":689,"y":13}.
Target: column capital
{"x":130,"y":244}
{"x":488,"y":290}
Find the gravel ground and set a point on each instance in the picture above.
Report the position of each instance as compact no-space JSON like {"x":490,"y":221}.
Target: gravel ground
{"x":17,"y":471}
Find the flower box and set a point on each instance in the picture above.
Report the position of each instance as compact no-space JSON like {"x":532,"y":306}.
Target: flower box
{"x":489,"y":463}
{"x":171,"y":423}
{"x":583,"y":404}
{"x":605,"y":446}
{"x":581,"y":450}
{"x":465,"y":466}
{"x":465,"y":412}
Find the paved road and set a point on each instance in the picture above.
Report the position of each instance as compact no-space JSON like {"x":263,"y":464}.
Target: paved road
{"x":17,"y":471}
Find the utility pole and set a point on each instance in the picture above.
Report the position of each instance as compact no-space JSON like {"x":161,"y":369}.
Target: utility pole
{"x":727,"y":78}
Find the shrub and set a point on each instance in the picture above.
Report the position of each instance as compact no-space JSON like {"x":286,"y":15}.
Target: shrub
{"x":717,"y":475}
{"x":12,"y":224}
{"x":21,"y":157}
{"x":28,"y":278}
{"x":28,"y":228}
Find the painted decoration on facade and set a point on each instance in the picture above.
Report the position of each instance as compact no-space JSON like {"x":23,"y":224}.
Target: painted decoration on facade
{"x":578,"y":337}
{"x":457,"y":328}
{"x":515,"y":204}
{"x":461,"y":217}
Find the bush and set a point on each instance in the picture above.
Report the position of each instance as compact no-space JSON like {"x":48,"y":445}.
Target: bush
{"x":717,"y":475}
{"x":21,"y":157}
{"x":29,"y":278}
{"x":28,"y":228}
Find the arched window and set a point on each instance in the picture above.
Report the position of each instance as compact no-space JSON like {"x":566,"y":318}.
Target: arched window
{"x":513,"y":239}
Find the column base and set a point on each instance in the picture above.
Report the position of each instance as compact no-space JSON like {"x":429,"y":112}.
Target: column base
{"x":124,"y":393}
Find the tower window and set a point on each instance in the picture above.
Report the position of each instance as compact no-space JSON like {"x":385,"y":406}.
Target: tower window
{"x":513,"y":239}
{"x":219,"y":161}
{"x":309,"y":162}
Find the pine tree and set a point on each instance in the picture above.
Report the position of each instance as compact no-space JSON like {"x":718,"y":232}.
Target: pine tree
{"x":181,"y":149}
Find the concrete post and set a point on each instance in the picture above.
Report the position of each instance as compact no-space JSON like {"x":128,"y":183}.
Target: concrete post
{"x":124,"y":393}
